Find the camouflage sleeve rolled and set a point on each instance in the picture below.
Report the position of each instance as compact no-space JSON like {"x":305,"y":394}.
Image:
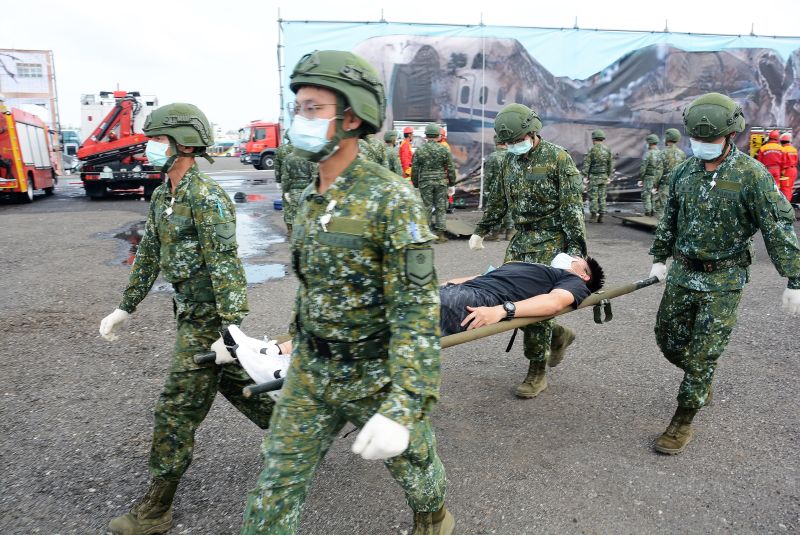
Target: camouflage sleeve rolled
{"x":412,"y":310}
{"x":496,"y":201}
{"x":666,"y":232}
{"x":451,"y":170}
{"x":570,"y":189}
{"x":146,"y":264}
{"x":215,"y":221}
{"x":775,"y":218}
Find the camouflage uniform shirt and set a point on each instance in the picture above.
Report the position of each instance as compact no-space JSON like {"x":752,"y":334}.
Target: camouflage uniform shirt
{"x":280,"y":156}
{"x":432,"y":163}
{"x":598,"y":164}
{"x":367,"y":274}
{"x":372,"y":150}
{"x":652,"y":165}
{"x":190,"y":237}
{"x":711,"y":216}
{"x":543,"y":190}
{"x":671,"y":157}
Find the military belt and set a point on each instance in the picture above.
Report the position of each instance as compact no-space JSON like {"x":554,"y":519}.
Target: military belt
{"x":547,"y":223}
{"x":372,"y":347}
{"x":709,"y":266}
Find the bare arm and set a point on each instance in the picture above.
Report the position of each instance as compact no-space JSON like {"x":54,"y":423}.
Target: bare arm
{"x":540,"y":305}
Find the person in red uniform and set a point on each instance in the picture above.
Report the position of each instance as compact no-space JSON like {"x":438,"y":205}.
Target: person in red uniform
{"x":789,"y":168}
{"x":771,"y":155}
{"x":405,"y":151}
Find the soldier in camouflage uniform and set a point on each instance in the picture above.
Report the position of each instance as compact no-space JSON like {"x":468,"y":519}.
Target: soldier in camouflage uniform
{"x":372,"y":150}
{"x":190,"y":238}
{"x":718,"y":199}
{"x":297,"y":174}
{"x":366,"y":326}
{"x":392,"y":157}
{"x":650,"y":172}
{"x":491,"y":170}
{"x":598,"y":166}
{"x":672,"y":155}
{"x":280,"y":156}
{"x":434,"y":173}
{"x":541,"y":187}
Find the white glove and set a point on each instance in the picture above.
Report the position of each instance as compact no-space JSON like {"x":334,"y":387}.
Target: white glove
{"x":791,"y":301}
{"x":659,"y":271}
{"x":381,"y":438}
{"x":260,"y":359}
{"x":287,"y":197}
{"x":475,"y":242}
{"x":110,"y":322}
{"x":223,"y":355}
{"x":451,"y":191}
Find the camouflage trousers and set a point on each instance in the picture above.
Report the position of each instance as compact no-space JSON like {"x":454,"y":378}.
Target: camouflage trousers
{"x":692,"y":330}
{"x":536,"y":337}
{"x":190,"y":389}
{"x":597,"y":194}
{"x":290,"y":208}
{"x":434,"y":198}
{"x":660,"y":200}
{"x":319,"y":397}
{"x":647,"y":193}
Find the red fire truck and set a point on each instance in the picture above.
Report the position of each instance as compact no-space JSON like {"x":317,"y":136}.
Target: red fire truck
{"x":113,"y":155}
{"x":259,"y":140}
{"x":25,"y":163}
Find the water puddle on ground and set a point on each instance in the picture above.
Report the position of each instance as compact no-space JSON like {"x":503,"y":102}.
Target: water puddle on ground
{"x":252,"y":234}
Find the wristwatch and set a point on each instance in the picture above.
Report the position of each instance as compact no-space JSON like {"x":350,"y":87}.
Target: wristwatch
{"x":510,"y":309}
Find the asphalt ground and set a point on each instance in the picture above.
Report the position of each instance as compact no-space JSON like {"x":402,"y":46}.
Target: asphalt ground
{"x":77,"y":410}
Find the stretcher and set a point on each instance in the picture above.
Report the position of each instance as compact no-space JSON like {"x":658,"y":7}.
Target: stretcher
{"x":599,"y":301}
{"x":638,"y":220}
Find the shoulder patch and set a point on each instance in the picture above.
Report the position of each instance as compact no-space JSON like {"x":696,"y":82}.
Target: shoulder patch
{"x":419,"y":266}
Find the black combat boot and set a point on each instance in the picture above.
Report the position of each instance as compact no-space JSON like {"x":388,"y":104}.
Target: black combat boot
{"x":599,"y":218}
{"x":150,"y":515}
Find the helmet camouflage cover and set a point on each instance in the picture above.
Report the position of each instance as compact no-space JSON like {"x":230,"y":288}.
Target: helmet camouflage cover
{"x":515,"y":121}
{"x":651,"y":139}
{"x":349,"y":75}
{"x":184,"y":123}
{"x":672,"y":134}
{"x":432,"y":130}
{"x":713,"y":115}
{"x":389,"y":135}
{"x":598,"y":134}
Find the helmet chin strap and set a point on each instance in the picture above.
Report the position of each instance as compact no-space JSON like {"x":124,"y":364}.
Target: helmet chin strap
{"x":180,"y":154}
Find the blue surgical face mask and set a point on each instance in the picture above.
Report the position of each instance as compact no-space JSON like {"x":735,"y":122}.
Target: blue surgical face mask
{"x":706,"y":151}
{"x":520,"y":148}
{"x":156,"y":153}
{"x":310,"y":135}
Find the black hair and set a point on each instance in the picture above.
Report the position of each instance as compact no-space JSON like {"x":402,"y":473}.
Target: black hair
{"x":597,"y":277}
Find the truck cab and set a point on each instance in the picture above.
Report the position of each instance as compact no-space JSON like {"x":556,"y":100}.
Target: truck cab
{"x":259,"y":141}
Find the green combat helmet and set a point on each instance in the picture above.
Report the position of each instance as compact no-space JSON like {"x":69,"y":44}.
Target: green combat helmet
{"x":390,"y":135}
{"x":514,"y":121}
{"x":356,"y":85}
{"x":598,"y":134}
{"x":713,"y":115}
{"x":431,"y":130}
{"x":672,"y":134}
{"x":185,"y":125}
{"x":651,"y":139}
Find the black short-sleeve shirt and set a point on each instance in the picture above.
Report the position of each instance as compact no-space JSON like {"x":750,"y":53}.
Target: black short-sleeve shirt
{"x":517,"y":281}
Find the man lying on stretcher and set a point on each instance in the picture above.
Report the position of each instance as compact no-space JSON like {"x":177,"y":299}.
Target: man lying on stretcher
{"x":515,"y":289}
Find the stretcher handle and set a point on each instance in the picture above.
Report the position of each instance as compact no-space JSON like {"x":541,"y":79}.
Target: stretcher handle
{"x":269,"y":386}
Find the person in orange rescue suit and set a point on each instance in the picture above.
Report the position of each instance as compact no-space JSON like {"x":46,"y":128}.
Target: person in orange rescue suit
{"x":771,"y":155}
{"x":443,"y":139}
{"x":789,"y":166}
{"x":405,"y":151}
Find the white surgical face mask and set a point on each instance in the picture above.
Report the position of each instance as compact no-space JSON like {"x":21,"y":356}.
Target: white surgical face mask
{"x":562,"y":261}
{"x":156,"y":153}
{"x":706,"y":151}
{"x":310,"y":135}
{"x":520,"y":148}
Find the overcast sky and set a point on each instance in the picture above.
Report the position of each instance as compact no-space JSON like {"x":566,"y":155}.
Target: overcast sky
{"x":222,"y":55}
